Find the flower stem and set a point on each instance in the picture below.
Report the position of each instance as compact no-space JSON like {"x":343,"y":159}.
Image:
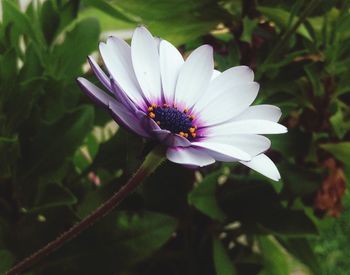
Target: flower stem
{"x":151,"y":162}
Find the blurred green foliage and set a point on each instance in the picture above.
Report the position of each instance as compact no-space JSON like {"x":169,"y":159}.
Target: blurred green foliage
{"x":60,"y":157}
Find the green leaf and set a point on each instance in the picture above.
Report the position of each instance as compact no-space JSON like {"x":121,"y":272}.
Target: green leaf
{"x":341,"y":151}
{"x":32,"y":65}
{"x":53,"y":195}
{"x":295,"y":143}
{"x":313,"y":72}
{"x":301,"y":249}
{"x":246,"y":199}
{"x":339,"y":120}
{"x":85,"y":154}
{"x":177,"y":21}
{"x":68,"y":134}
{"x":248,"y":27}
{"x":299,"y":180}
{"x":50,"y":20}
{"x":293,"y":223}
{"x":67,"y":58}
{"x":35,"y":229}
{"x":282,"y":17}
{"x":255,"y":202}
{"x":204,"y":199}
{"x":7,"y":260}
{"x":107,"y":22}
{"x":12,"y":14}
{"x":112,"y":10}
{"x":120,"y":152}
{"x":275,"y":259}
{"x":225,"y":62}
{"x":55,"y":144}
{"x":9,"y":153}
{"x":23,"y":97}
{"x":167,"y":188}
{"x":222,"y":261}
{"x":68,"y":12}
{"x":121,"y":239}
{"x":8,"y":71}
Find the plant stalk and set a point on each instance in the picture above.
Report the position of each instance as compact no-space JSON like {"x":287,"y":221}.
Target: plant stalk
{"x":151,"y":162}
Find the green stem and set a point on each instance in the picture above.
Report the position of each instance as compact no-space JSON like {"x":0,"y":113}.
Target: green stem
{"x":151,"y":162}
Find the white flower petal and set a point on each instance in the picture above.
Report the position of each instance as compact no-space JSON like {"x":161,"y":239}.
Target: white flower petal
{"x":116,"y":55}
{"x":170,"y":64}
{"x":224,"y":82}
{"x":223,"y":152}
{"x":249,"y":126}
{"x":215,"y":74}
{"x":145,"y":59}
{"x":266,"y":112}
{"x":194,"y":76}
{"x":232,"y":102}
{"x":263,"y":165}
{"x":251,"y":144}
{"x":189,"y":156}
{"x":157,"y":40}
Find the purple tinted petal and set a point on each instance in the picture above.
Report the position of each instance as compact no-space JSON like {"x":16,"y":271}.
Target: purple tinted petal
{"x":150,"y":124}
{"x":123,"y":116}
{"x":170,"y":139}
{"x":102,"y":77}
{"x":93,"y":92}
{"x":129,"y":120}
{"x":122,"y":97}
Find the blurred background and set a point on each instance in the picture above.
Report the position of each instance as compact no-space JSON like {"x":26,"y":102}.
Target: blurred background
{"x":60,"y":156}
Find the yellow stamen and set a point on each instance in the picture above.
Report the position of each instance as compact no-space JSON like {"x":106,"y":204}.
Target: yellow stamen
{"x":154,"y":105}
{"x":152,"y":115}
{"x":186,"y":111}
{"x":182,"y":134}
{"x":186,"y":135}
{"x":150,"y":108}
{"x":192,"y":130}
{"x":193,"y":135}
{"x":191,"y":117}
{"x":158,"y":122}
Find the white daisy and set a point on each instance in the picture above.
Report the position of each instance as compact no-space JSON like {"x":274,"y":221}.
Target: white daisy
{"x":199,"y":113}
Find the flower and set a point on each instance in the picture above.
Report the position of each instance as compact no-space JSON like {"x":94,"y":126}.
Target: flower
{"x":199,"y":113}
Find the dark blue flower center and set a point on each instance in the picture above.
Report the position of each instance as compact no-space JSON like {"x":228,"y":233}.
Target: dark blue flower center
{"x":172,"y":119}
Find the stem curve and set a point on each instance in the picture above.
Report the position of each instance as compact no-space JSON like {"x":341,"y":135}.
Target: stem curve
{"x":151,"y":162}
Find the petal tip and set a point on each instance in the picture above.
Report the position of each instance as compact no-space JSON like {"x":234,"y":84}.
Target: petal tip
{"x":80,"y":80}
{"x":141,"y":29}
{"x":276,"y":178}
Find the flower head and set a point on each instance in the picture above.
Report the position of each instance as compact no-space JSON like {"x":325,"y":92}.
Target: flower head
{"x":199,"y":113}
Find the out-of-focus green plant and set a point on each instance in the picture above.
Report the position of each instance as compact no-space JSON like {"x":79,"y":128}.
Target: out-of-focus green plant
{"x":60,"y":157}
